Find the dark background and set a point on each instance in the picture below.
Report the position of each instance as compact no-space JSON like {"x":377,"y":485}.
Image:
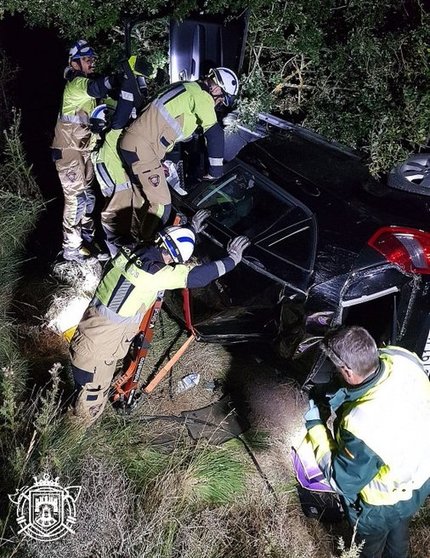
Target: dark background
{"x":40,"y":57}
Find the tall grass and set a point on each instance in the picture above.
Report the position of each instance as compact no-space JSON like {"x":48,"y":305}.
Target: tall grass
{"x":148,"y":490}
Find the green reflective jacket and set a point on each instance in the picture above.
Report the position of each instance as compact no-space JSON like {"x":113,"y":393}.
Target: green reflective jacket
{"x":108,"y":165}
{"x":379,"y":458}
{"x":127,"y":290}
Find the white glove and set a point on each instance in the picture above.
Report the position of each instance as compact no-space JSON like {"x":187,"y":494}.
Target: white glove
{"x":197,"y":222}
{"x":236,"y":247}
{"x":313,"y":413}
{"x":172,"y":177}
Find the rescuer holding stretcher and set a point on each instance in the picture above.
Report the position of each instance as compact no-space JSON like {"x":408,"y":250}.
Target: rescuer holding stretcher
{"x":126,"y":291}
{"x":379,"y":458}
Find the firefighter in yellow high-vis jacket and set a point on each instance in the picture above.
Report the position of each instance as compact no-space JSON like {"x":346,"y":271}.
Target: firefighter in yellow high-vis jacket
{"x":171,"y":118}
{"x":72,"y":146}
{"x":126,"y":291}
{"x":379,"y":457}
{"x":108,"y":121}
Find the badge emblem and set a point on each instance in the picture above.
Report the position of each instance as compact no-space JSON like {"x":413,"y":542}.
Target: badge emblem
{"x":46,"y":511}
{"x":71,"y":175}
{"x":154,"y":179}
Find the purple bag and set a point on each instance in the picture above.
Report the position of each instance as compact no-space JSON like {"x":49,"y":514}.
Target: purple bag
{"x":317,"y":497}
{"x":306,"y":469}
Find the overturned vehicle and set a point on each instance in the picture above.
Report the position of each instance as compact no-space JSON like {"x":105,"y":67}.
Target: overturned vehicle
{"x":330,"y":245}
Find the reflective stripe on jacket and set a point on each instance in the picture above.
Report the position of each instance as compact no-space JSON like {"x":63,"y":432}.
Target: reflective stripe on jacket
{"x":189,"y":106}
{"x":108,"y":166}
{"x":183,"y":107}
{"x":381,"y":452}
{"x":79,"y":100}
{"x":129,"y":287}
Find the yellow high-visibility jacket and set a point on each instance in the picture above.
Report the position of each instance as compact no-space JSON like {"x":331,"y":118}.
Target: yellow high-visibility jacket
{"x":79,"y":100}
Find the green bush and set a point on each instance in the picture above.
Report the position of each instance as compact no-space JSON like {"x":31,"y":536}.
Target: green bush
{"x":356,"y":72}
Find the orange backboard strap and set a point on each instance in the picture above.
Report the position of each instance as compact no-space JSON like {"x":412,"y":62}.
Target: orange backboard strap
{"x":124,"y":387}
{"x":162,"y":373}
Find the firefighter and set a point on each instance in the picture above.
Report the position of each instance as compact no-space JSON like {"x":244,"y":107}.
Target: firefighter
{"x":173,"y":117}
{"x":379,"y":457}
{"x":108,"y":122}
{"x":71,"y":149}
{"x":126,"y":291}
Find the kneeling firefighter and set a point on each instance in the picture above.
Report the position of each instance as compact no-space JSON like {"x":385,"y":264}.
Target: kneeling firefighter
{"x":127,"y":290}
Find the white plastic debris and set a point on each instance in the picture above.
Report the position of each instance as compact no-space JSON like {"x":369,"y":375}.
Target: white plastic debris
{"x":188,"y":382}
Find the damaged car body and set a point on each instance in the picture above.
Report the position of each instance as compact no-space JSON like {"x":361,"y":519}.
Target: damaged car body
{"x":330,"y":245}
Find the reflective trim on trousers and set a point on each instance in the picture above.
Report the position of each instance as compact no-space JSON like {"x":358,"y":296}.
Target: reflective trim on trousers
{"x":77,"y":216}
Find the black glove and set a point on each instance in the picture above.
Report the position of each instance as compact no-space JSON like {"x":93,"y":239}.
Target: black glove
{"x":236,"y":247}
{"x":115,"y":80}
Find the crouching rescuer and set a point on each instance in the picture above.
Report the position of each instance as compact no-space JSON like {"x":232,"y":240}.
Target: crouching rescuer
{"x":379,"y":457}
{"x":128,"y":288}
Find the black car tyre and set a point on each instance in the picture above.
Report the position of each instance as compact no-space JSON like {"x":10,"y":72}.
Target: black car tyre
{"x":413,"y":175}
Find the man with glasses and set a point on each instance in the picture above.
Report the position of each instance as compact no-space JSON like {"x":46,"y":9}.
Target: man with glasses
{"x":173,"y":117}
{"x":72,"y":146}
{"x":378,"y":459}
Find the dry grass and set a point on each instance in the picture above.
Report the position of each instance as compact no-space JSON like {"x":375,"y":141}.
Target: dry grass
{"x":38,"y":342}
{"x":149,"y":491}
{"x":104,"y":512}
{"x":212,"y":362}
{"x":261,"y":527}
{"x":420,"y":532}
{"x":114,"y":520}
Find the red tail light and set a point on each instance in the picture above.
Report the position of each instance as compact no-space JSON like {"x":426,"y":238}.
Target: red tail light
{"x":408,"y":248}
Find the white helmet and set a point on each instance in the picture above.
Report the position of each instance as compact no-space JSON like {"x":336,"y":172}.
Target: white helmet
{"x":228,"y":81}
{"x":179,"y":242}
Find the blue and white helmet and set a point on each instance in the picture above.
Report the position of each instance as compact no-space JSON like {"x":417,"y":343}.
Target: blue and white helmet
{"x":79,"y":49}
{"x":100,"y":118}
{"x":179,"y":242}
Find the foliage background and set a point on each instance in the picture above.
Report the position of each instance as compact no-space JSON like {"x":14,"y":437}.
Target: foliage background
{"x":355,"y":71}
{"x":137,"y":497}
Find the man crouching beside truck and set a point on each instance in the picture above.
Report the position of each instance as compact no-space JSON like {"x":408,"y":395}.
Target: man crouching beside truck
{"x":128,"y":288}
{"x":379,"y":457}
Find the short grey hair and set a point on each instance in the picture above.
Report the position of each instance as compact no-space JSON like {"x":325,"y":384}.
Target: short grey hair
{"x":352,"y":347}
